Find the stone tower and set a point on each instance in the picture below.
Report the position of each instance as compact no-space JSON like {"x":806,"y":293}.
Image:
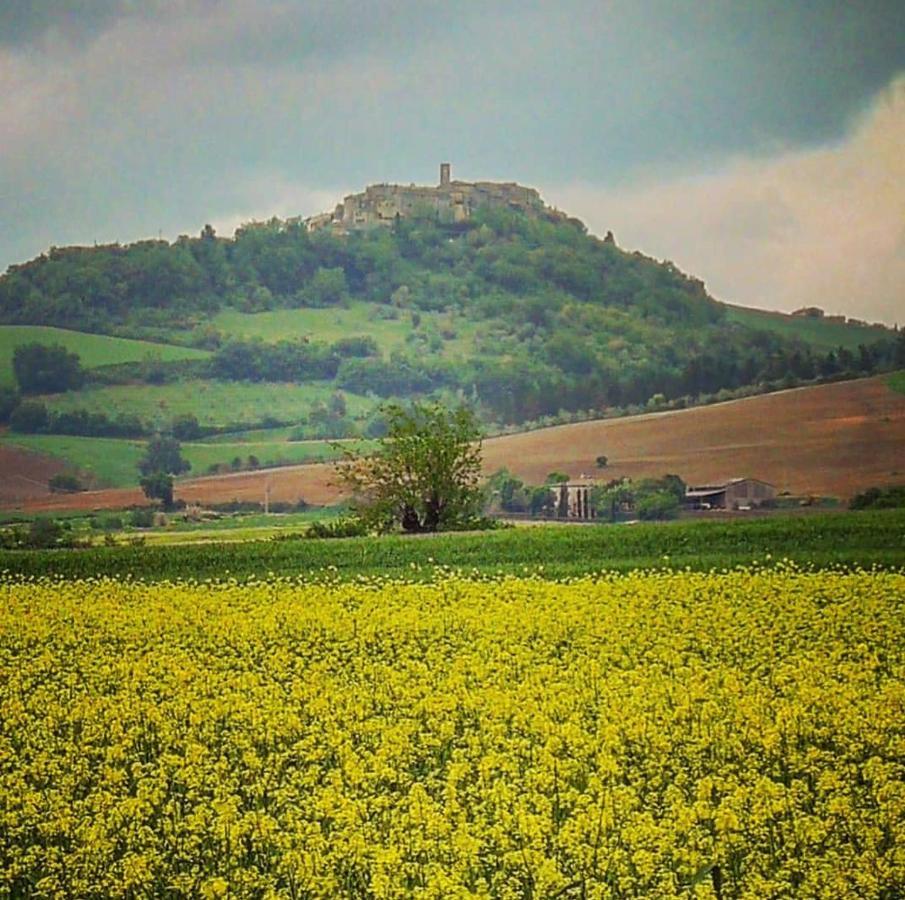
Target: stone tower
{"x":444,"y":174}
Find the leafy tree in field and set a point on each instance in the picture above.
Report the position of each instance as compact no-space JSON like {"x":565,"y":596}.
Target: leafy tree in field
{"x":47,"y":369}
{"x":163,"y":454}
{"x":425,"y":473}
{"x":650,"y":498}
{"x":158,"y":486}
{"x":508,"y":491}
{"x":162,"y":460}
{"x":611,"y":498}
{"x":541,"y":501}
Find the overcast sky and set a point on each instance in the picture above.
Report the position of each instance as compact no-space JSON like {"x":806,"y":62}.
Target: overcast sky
{"x":760,"y":146}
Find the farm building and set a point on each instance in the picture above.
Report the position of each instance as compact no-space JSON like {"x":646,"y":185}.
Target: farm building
{"x":737,"y":493}
{"x":572,"y":499}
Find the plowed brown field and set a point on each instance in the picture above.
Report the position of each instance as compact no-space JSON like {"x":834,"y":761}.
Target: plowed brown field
{"x":24,"y":475}
{"x":832,"y":440}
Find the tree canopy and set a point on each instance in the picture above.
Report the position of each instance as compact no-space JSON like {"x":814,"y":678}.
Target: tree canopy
{"x":47,"y":369}
{"x":163,"y":454}
{"x":424,"y":475}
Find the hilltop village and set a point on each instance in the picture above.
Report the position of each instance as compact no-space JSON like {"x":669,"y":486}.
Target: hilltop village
{"x":449,"y":202}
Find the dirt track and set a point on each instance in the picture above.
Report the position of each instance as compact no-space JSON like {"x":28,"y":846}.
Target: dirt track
{"x":830,"y":440}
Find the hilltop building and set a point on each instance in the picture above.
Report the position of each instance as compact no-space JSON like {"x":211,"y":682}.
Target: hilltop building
{"x":449,"y":202}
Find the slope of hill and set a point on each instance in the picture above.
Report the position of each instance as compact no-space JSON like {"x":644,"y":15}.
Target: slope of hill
{"x":522,"y":313}
{"x":94,"y":350}
{"x":821,"y":334}
{"x":829,"y":440}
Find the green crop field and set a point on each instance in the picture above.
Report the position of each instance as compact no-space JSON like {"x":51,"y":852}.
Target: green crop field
{"x":848,"y":539}
{"x":94,"y":350}
{"x":819,"y":333}
{"x":114,"y":462}
{"x":359,"y":318}
{"x":213,"y":402}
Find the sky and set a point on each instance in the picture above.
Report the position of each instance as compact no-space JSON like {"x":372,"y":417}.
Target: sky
{"x":759,"y":146}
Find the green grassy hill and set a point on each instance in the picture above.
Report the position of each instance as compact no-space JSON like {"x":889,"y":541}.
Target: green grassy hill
{"x":390,"y":327}
{"x":214,"y":403}
{"x":113,"y":462}
{"x":94,"y":350}
{"x":816,"y":333}
{"x":282,"y":332}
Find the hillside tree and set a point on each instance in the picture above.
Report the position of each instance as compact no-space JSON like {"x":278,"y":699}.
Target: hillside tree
{"x":47,"y":369}
{"x":163,"y":454}
{"x":162,"y":460}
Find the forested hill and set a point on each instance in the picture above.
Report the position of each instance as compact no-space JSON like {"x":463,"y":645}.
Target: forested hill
{"x":522,"y":316}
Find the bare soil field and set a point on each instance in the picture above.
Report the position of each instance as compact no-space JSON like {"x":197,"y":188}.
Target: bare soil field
{"x":24,"y":476}
{"x":832,"y":440}
{"x":829,"y":440}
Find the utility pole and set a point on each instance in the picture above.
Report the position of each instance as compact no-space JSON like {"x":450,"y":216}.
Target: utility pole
{"x":267,"y":496}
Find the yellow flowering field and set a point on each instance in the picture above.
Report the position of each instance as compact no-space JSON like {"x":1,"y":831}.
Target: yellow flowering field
{"x":732,"y":734}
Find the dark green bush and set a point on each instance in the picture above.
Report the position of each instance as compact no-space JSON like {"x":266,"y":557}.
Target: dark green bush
{"x":64,"y":484}
{"x":142,"y":517}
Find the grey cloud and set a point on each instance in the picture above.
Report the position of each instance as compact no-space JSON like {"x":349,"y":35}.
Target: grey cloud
{"x":27,"y":22}
{"x":821,"y":226}
{"x":165,"y":116}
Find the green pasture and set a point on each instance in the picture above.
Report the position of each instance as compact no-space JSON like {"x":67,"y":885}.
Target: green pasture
{"x":114,"y":462}
{"x":847,"y":539}
{"x":819,"y":333}
{"x":215,"y":403}
{"x":94,"y":350}
{"x":269,"y":453}
{"x":333,"y":323}
{"x":252,"y":435}
{"x":897,"y":382}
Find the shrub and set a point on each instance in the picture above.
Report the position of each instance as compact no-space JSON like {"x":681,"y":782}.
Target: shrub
{"x":657,"y":505}
{"x":186,"y":428}
{"x":64,"y":484}
{"x":879,"y":498}
{"x":337,"y":528}
{"x":142,"y":517}
{"x":30,"y":417}
{"x":44,"y":533}
{"x":107,"y":523}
